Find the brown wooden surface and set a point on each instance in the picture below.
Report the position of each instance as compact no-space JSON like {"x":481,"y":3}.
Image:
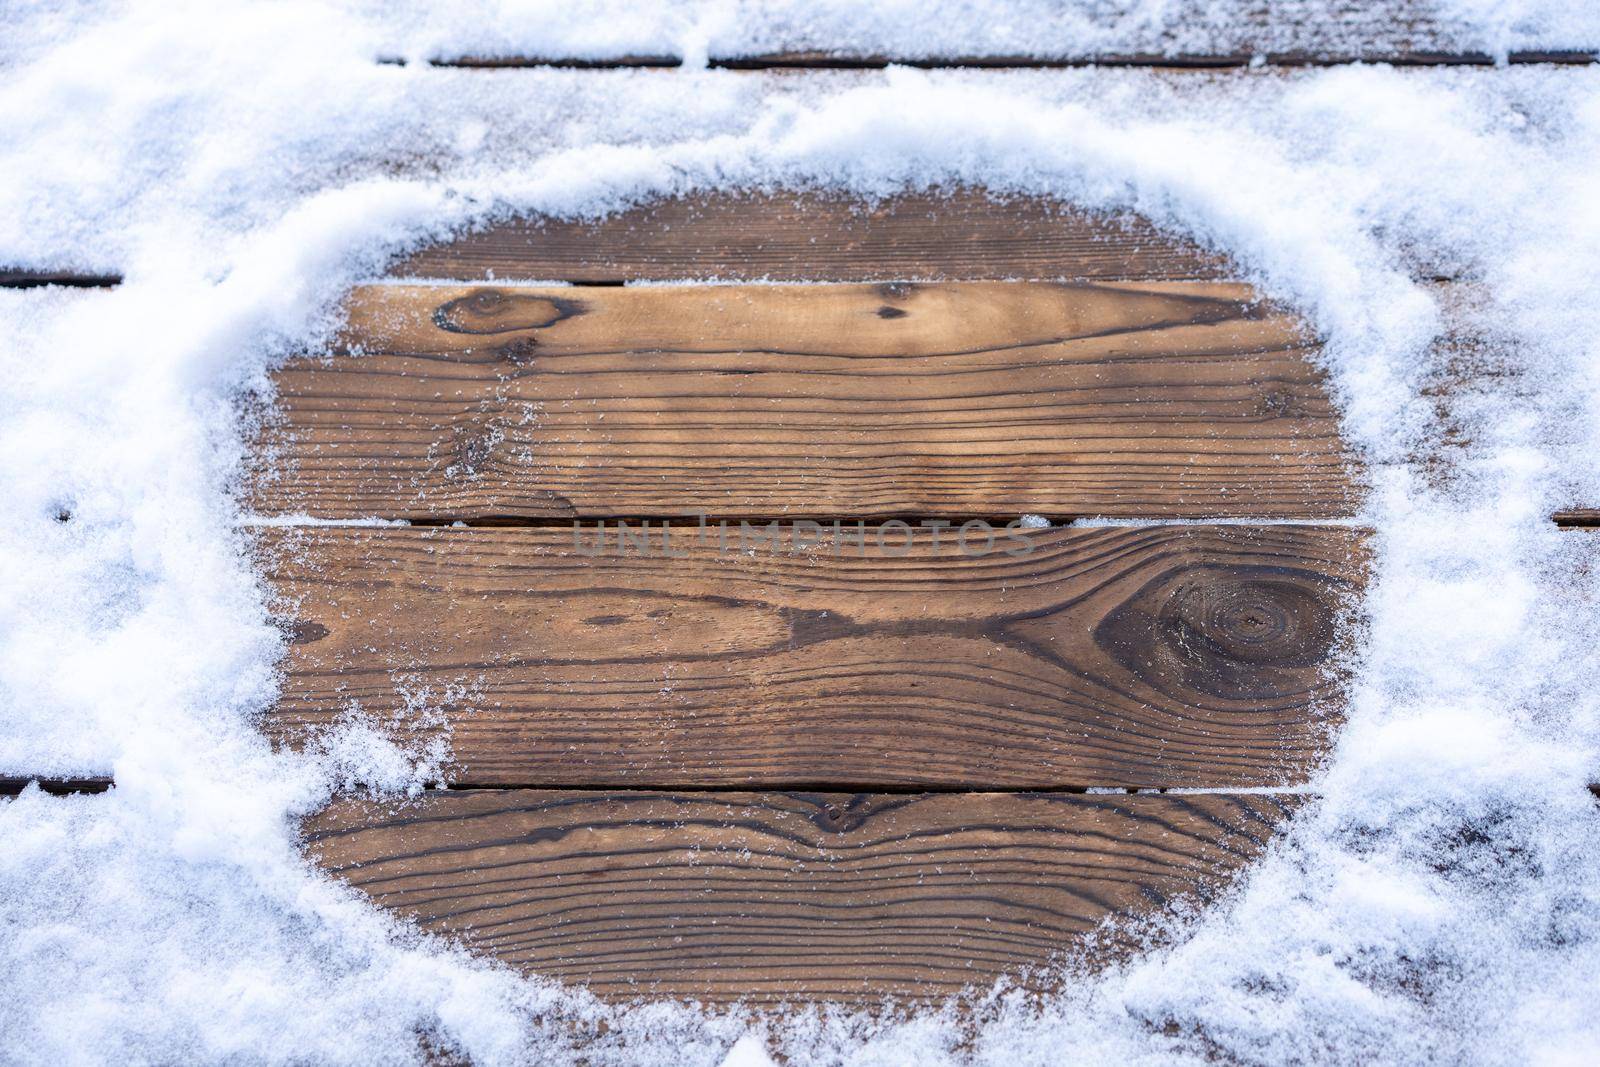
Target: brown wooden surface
{"x":1104,"y":656}
{"x":1120,"y":656}
{"x":767,"y":897}
{"x":792,"y":236}
{"x":1176,"y":399}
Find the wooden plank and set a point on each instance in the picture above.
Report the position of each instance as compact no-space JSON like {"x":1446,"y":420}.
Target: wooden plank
{"x":1155,"y":400}
{"x":1100,"y":656}
{"x":770,"y":897}
{"x":945,"y":234}
{"x":1189,"y":34}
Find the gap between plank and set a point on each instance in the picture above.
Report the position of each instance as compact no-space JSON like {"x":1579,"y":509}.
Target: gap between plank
{"x":11,"y":785}
{"x":827,"y":525}
{"x":1573,"y":519}
{"x":408,"y":281}
{"x":892,"y":789}
{"x":11,"y":278}
{"x":1159,"y":62}
{"x":813,"y":61}
{"x":521,"y":62}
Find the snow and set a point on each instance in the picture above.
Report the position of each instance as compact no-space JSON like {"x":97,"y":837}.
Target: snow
{"x":955,"y":28}
{"x":747,"y":1052}
{"x":243,"y":164}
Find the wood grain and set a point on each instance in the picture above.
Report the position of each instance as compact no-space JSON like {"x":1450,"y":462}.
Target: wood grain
{"x":1109,"y":656}
{"x":1156,"y":400}
{"x":895,"y":674}
{"x":948,"y":234}
{"x":782,"y":896}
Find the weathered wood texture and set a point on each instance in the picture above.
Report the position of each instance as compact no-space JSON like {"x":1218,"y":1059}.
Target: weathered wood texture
{"x":769,"y":897}
{"x":950,"y":234}
{"x":1109,"y":656}
{"x":1127,"y":656}
{"x":1157,"y":399}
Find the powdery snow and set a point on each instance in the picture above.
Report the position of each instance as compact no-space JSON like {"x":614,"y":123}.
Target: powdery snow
{"x":244,"y":164}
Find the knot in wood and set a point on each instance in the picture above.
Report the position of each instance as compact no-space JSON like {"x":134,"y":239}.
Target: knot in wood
{"x":491,"y":311}
{"x":1241,"y":633}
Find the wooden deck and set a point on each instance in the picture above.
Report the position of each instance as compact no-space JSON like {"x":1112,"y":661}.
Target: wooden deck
{"x":756,"y":687}
{"x":790,"y":734}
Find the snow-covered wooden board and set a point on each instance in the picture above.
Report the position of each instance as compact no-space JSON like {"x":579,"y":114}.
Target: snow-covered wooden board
{"x":918,"y":690}
{"x":763,"y":897}
{"x":1187,"y":34}
{"x":953,"y":400}
{"x":1124,"y":656}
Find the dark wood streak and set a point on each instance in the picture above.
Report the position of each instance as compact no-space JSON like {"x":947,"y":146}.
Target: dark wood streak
{"x":26,"y":278}
{"x":1178,"y":63}
{"x":559,"y":62}
{"x":1186,"y":400}
{"x":766,"y":897}
{"x":1174,"y":61}
{"x":1129,"y":656}
{"x":11,"y":785}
